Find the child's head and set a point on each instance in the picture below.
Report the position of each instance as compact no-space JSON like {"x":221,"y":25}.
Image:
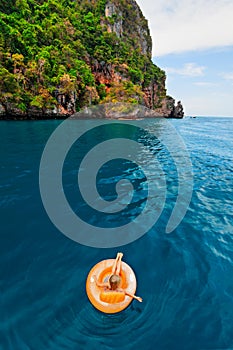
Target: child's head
{"x":114,"y":281}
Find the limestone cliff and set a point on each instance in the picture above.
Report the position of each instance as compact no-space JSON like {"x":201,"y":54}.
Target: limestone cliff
{"x":64,"y":55}
{"x":126,"y":20}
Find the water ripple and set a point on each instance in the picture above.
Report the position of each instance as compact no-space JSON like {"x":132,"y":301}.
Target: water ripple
{"x":184,"y":278}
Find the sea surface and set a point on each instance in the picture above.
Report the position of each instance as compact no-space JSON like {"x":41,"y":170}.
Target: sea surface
{"x":185,"y":278}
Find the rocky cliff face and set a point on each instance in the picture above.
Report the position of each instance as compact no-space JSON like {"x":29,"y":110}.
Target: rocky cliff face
{"x":131,"y":23}
{"x":128,"y":21}
{"x":102,"y":54}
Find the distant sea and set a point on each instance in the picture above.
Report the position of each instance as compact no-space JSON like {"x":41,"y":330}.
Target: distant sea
{"x":185,"y":278}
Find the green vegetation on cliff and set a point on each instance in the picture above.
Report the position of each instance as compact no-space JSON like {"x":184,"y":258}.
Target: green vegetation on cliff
{"x":67,"y":54}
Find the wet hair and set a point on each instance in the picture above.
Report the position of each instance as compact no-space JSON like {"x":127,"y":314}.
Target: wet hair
{"x":114,"y":281}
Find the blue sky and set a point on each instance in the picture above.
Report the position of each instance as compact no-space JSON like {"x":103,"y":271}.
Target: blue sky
{"x":193,"y":43}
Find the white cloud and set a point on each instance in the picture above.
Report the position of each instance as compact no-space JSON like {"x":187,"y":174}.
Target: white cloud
{"x":189,"y":69}
{"x":227,"y":76}
{"x":184,"y":25}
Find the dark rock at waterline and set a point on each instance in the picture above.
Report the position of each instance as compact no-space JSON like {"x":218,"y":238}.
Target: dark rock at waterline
{"x":178,"y":111}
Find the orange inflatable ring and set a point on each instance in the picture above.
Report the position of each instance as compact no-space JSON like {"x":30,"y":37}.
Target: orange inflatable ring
{"x":102,"y":271}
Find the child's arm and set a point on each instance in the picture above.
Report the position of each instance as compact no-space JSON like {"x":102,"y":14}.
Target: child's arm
{"x":99,"y":284}
{"x":134,"y":296}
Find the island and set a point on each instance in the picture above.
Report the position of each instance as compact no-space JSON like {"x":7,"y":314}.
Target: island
{"x":59,"y":57}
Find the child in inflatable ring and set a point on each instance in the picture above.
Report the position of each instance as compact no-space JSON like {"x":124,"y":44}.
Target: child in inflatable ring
{"x":115,"y":279}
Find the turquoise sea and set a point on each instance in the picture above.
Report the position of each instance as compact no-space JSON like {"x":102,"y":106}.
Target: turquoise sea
{"x":185,"y":278}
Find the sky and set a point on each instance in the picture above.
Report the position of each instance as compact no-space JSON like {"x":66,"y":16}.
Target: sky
{"x":193,"y":43}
